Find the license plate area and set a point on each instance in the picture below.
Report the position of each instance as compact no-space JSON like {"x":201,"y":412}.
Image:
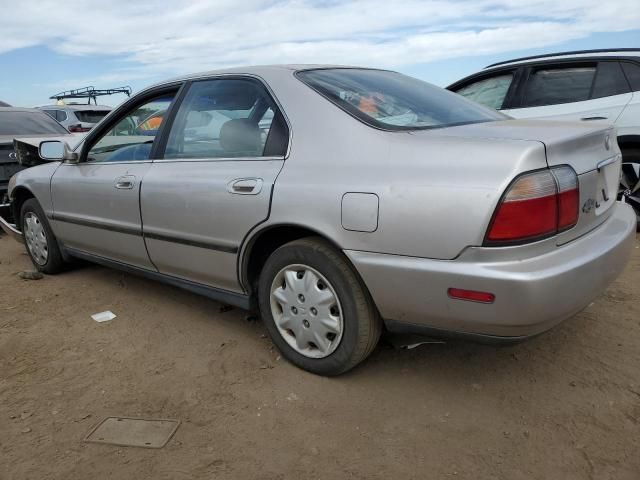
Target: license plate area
{"x":607,"y":184}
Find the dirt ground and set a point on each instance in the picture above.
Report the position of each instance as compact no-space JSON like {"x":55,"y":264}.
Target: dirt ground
{"x":565,"y":405}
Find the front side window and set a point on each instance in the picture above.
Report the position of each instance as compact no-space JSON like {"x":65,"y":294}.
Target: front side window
{"x":489,"y":92}
{"x":132,"y":136}
{"x":226,"y":118}
{"x":391,"y":101}
{"x":551,"y":86}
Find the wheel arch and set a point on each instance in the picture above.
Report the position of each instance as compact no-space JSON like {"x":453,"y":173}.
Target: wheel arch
{"x":264,"y":242}
{"x":629,"y":141}
{"x":19,"y":195}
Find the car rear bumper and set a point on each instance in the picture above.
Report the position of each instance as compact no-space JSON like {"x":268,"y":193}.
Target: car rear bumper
{"x":532,"y":294}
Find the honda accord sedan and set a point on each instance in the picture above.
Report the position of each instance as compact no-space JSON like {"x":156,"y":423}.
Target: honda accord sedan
{"x":339,"y":202}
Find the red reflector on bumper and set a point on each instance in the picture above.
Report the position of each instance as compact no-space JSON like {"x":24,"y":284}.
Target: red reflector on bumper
{"x":471,"y":295}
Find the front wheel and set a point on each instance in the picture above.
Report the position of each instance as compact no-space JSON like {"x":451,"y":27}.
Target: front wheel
{"x":316,"y":309}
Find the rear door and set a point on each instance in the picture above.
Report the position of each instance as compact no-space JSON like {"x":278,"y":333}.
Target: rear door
{"x":588,"y":92}
{"x":96,"y":201}
{"x":226,"y":146}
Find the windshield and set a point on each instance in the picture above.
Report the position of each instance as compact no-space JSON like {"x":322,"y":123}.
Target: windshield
{"x":392,"y":101}
{"x":91,"y":116}
{"x":29,"y":123}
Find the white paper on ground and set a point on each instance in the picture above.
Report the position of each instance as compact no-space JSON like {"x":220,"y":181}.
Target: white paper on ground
{"x":103,"y":316}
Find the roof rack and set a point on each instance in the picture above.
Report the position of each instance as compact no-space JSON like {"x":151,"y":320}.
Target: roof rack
{"x":90,"y":93}
{"x":573,"y":52}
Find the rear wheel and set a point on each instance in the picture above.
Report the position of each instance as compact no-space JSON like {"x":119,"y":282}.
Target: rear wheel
{"x":630,"y":180}
{"x":39,"y":239}
{"x":315,"y":308}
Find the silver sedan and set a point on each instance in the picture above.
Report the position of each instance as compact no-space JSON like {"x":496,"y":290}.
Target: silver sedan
{"x":338,"y":202}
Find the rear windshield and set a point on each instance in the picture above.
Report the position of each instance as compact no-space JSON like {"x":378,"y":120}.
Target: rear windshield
{"x":392,"y":101}
{"x":91,"y":116}
{"x":29,"y":123}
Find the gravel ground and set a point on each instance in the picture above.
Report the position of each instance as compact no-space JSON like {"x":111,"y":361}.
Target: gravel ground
{"x":564,"y":405}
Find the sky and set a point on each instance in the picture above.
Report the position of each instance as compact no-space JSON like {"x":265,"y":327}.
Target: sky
{"x":49,"y":46}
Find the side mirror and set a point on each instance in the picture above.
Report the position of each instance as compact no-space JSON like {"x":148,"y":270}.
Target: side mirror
{"x":55,"y":150}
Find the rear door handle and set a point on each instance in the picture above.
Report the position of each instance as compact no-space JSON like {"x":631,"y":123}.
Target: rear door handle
{"x":126,"y":182}
{"x":245,"y":186}
{"x":595,"y":117}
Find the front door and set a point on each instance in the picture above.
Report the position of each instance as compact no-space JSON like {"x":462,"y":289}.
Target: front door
{"x":213,"y":184}
{"x":96,"y":201}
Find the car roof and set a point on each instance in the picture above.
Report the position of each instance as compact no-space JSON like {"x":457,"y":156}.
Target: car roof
{"x":75,"y":106}
{"x":604,"y":52}
{"x":257,"y":70}
{"x":19,"y":109}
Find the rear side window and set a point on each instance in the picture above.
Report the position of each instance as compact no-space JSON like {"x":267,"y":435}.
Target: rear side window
{"x":609,"y":80}
{"x":227,"y":118}
{"x":391,"y":101}
{"x":61,"y":115}
{"x":550,"y":86}
{"x":90,"y":116}
{"x":632,"y":72}
{"x":490,"y":92}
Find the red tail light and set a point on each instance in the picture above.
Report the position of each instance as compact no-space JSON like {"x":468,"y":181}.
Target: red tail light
{"x":537,"y":205}
{"x":78,"y":128}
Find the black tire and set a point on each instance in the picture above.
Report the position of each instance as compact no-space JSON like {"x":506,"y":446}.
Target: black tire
{"x":361,"y":322}
{"x":54,"y":262}
{"x":630,"y":167}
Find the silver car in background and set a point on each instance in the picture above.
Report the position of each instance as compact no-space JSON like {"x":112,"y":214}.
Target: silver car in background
{"x":77,"y":118}
{"x":339,"y":202}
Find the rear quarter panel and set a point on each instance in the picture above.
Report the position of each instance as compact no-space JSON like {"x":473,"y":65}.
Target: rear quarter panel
{"x":436,"y":195}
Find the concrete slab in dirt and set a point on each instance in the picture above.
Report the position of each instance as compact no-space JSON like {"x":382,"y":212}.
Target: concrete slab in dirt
{"x":133,"y":432}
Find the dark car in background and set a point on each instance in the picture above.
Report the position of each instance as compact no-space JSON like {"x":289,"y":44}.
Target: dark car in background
{"x":21,"y":123}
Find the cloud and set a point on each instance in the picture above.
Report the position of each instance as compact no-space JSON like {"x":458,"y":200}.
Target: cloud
{"x":154,"y":37}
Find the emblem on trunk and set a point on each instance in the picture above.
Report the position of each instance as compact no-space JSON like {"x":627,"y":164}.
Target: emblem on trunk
{"x":13,"y":156}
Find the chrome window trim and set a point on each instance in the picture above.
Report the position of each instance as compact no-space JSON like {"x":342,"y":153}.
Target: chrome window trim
{"x":122,"y":162}
{"x":177,"y":160}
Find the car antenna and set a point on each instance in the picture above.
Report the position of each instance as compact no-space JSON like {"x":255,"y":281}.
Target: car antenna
{"x":90,"y":93}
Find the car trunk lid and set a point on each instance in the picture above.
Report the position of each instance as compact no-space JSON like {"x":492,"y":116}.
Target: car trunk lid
{"x":591,"y":150}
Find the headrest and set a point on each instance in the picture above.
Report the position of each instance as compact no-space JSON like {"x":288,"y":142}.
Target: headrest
{"x":240,"y":135}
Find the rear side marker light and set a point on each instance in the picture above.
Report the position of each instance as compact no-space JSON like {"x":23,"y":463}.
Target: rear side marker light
{"x":536,"y":205}
{"x":471,"y":295}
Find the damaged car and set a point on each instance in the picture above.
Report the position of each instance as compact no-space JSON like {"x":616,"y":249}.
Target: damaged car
{"x":338,"y":202}
{"x":22,"y":123}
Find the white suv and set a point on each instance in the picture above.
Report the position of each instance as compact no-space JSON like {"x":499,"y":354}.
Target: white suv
{"x":587,"y":86}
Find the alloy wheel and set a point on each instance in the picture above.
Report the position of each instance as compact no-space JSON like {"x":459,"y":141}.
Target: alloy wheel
{"x":306,"y":311}
{"x":630,"y":185}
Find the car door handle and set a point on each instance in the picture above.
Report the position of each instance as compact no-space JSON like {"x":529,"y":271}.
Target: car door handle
{"x":125,"y":182}
{"x":245,"y":186}
{"x":595,"y":117}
